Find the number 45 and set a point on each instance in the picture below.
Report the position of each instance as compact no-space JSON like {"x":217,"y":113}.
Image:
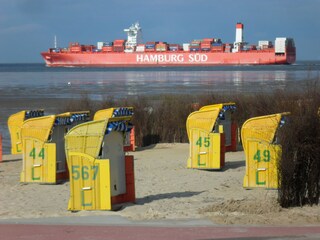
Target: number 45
{"x":206,"y":142}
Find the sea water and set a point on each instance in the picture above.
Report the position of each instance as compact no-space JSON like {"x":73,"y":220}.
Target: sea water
{"x":37,"y":81}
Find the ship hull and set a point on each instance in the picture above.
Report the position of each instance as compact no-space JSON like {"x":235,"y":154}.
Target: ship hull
{"x":164,"y":59}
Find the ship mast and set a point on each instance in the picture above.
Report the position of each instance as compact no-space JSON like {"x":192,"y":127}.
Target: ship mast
{"x":55,"y":41}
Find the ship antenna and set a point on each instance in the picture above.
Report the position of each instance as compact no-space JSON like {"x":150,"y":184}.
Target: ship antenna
{"x":55,"y":41}
{"x":141,"y":34}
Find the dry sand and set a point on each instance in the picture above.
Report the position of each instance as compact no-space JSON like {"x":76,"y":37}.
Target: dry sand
{"x":165,"y":189}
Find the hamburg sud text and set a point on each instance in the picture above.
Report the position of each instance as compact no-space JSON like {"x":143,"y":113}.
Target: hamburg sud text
{"x":173,"y":58}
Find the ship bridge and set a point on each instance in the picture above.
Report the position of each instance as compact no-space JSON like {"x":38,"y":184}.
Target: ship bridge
{"x":134,"y":37}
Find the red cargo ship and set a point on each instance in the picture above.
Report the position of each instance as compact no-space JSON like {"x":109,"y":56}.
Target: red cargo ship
{"x":202,"y":52}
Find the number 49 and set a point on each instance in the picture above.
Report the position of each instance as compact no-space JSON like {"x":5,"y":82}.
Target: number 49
{"x":265,"y":156}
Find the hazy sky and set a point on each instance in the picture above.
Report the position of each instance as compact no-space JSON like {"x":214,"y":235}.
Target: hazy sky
{"x":28,"y":27}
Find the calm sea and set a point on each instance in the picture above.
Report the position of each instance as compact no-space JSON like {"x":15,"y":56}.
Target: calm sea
{"x":37,"y":81}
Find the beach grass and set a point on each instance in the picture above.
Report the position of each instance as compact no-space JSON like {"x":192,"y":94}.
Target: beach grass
{"x":162,"y":119}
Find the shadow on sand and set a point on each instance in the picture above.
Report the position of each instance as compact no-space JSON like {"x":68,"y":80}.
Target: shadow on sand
{"x":151,"y":198}
{"x":234,"y":165}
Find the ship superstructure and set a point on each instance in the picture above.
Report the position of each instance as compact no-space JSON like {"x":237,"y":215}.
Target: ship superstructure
{"x":134,"y":37}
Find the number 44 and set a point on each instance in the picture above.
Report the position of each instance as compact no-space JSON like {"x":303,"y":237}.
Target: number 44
{"x":33,"y":153}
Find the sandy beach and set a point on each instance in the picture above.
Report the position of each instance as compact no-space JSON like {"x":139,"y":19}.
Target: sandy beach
{"x":165,"y":190}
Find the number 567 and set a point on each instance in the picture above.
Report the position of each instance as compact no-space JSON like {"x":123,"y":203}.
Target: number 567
{"x":84,"y":174}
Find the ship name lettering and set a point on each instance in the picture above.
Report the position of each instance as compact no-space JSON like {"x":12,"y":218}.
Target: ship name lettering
{"x":198,"y":58}
{"x":159,"y":58}
{"x":153,"y":58}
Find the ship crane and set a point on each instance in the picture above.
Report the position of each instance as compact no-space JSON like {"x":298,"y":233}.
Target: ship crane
{"x":134,"y":37}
